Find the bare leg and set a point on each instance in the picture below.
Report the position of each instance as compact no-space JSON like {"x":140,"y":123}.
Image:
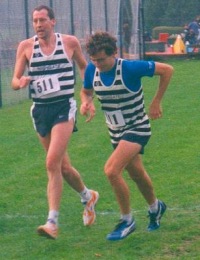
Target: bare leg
{"x":55,"y":145}
{"x":71,"y":175}
{"x":58,"y":167}
{"x":114,"y":167}
{"x":137,"y":172}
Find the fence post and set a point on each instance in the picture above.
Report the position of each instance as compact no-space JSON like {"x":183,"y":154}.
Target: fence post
{"x":106,"y":14}
{"x":73,"y":31}
{"x":51,"y":3}
{"x":27,"y":28}
{"x":90,"y":15}
{"x":26,"y":18}
{"x":0,"y":89}
{"x":141,"y":30}
{"x":120,"y":29}
{"x":72,"y":17}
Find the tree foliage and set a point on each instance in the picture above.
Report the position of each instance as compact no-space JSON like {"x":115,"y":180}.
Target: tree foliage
{"x":169,"y":12}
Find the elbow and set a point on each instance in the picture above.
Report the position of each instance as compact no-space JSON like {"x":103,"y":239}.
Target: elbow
{"x":14,"y":86}
{"x":168,"y":71}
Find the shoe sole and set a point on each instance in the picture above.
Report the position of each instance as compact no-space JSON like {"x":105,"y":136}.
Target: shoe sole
{"x":45,"y":232}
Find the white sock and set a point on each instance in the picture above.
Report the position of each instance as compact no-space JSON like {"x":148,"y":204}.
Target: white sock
{"x":53,"y":216}
{"x":85,"y":195}
{"x":127,"y":217}
{"x":154,"y":207}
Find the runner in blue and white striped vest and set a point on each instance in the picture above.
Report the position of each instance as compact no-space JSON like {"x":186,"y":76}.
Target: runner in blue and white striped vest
{"x":117,"y":84}
{"x":123,"y":108}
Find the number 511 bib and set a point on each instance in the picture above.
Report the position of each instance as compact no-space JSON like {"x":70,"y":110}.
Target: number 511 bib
{"x":46,"y":85}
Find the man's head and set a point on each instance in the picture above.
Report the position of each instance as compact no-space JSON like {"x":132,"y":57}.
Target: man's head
{"x":101,"y":41}
{"x":43,"y":21}
{"x":49,"y":10}
{"x":102,"y":49}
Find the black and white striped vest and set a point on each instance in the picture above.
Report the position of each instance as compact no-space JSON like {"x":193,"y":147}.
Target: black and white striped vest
{"x":52,"y":76}
{"x":124,"y":110}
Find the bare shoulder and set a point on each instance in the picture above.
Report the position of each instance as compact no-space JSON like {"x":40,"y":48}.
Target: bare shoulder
{"x":25,"y":47}
{"x":70,"y":40}
{"x":28,"y":43}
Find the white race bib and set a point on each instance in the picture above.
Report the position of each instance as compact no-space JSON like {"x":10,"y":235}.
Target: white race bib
{"x":115,"y":118}
{"x":46,"y":85}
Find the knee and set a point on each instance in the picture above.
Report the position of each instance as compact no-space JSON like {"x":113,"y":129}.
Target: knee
{"x":52,"y":165}
{"x":110,"y":171}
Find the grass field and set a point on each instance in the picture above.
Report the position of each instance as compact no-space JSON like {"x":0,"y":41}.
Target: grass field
{"x":172,"y":159}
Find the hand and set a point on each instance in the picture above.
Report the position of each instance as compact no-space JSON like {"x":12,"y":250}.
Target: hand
{"x":24,"y":81}
{"x":155,"y":110}
{"x":88,"y":110}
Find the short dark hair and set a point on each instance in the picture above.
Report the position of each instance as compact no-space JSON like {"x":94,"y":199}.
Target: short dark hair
{"x":49,"y":10}
{"x":100,"y":41}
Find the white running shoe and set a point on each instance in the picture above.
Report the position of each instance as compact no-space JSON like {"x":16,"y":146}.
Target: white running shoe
{"x":89,"y":214}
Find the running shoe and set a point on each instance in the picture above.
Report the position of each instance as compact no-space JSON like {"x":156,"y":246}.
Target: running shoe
{"x":122,"y":230}
{"x":89,"y":214}
{"x":155,"y":217}
{"x":49,"y":230}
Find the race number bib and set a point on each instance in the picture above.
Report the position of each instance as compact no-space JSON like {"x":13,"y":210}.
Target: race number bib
{"x":46,"y":85}
{"x":115,"y":118}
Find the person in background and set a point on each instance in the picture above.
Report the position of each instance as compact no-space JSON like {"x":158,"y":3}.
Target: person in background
{"x":49,"y":56}
{"x":190,"y":37}
{"x":147,"y":36}
{"x":117,"y":85}
{"x":126,"y":36}
{"x":194,"y":28}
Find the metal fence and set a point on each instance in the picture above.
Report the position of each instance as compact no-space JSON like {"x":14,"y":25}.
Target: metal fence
{"x":77,"y":17}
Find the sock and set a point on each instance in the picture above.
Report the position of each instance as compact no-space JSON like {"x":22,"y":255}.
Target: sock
{"x":154,"y":207}
{"x":85,"y":195}
{"x":127,"y":217}
{"x":53,"y":217}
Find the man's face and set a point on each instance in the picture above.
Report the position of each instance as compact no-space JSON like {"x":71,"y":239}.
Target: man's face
{"x":42,"y":24}
{"x":102,"y":61}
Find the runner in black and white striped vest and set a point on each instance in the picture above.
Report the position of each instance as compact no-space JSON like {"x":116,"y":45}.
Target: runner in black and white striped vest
{"x":117,"y":84}
{"x":123,"y":108}
{"x":49,"y":57}
{"x":52,"y":76}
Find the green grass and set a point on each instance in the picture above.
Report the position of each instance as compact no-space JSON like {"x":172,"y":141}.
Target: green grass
{"x":172,"y":159}
{"x":10,"y":97}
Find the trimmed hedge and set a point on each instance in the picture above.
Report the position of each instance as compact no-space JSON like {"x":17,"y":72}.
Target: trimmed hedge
{"x":166,"y":29}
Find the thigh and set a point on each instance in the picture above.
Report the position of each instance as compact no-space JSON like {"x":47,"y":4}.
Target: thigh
{"x":122,"y":155}
{"x":56,"y":144}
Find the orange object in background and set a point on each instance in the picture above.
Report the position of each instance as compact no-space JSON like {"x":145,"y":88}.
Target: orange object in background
{"x":179,"y":46}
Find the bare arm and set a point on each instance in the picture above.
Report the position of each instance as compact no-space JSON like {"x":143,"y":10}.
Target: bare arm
{"x":80,"y":59}
{"x":87,"y":106}
{"x":18,"y":80}
{"x":164,"y":71}
{"x":74,"y":51}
